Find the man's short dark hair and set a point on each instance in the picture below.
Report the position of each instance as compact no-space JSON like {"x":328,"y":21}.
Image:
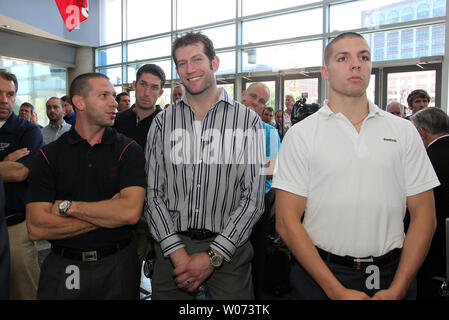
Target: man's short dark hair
{"x":27,"y":105}
{"x":61,"y":103}
{"x":5,"y":75}
{"x":433,"y":120}
{"x":80,"y":85}
{"x":418,"y":93}
{"x":66,"y":98}
{"x":328,"y":49}
{"x":194,"y":38}
{"x":267,"y":108}
{"x":154,"y":70}
{"x":120,"y":95}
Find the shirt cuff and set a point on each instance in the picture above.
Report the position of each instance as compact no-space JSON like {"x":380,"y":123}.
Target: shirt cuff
{"x":170,"y":244}
{"x":224,"y":246}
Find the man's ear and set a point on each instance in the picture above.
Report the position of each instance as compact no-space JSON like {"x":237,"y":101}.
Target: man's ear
{"x":215,"y":63}
{"x":324,"y":72}
{"x":161,"y":92}
{"x":134,"y":85}
{"x":78,"y":102}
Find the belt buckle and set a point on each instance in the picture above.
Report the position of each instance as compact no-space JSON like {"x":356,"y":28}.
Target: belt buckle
{"x":358,"y":262}
{"x":89,"y":256}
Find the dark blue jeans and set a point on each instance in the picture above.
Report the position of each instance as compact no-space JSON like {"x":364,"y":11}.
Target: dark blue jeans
{"x":305,"y":288}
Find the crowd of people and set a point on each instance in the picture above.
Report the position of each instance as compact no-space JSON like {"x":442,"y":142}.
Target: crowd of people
{"x":198,"y":182}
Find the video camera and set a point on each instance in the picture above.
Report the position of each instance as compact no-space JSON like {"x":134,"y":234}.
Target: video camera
{"x":302,"y":110}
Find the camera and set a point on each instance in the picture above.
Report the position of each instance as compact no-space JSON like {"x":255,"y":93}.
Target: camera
{"x":302,"y":110}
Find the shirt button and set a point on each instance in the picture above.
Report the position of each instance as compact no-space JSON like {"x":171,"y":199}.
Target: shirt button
{"x":89,"y":165}
{"x":198,"y":186}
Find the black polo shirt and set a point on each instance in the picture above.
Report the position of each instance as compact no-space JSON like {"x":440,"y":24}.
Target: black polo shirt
{"x":18,"y":133}
{"x":128,"y":123}
{"x":71,"y":169}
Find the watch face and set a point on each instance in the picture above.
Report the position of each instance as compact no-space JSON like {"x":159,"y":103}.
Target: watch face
{"x":64,"y":206}
{"x":216,"y":260}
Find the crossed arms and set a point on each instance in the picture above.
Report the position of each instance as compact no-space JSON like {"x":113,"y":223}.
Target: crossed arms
{"x":45,"y":223}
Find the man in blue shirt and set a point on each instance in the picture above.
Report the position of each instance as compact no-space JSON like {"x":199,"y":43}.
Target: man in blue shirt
{"x":255,"y":98}
{"x":20,"y":141}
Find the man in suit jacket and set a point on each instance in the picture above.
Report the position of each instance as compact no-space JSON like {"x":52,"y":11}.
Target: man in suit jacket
{"x":433,"y":126}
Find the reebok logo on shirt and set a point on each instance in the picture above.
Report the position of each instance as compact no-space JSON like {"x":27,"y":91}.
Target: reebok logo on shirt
{"x":390,"y":140}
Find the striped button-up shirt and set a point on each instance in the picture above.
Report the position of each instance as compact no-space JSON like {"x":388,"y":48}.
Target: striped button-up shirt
{"x":205,"y":174}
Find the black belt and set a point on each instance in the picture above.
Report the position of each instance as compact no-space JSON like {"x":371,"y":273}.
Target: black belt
{"x":196,"y":234}
{"x":14,"y":219}
{"x":94,"y":255}
{"x":360,"y":263}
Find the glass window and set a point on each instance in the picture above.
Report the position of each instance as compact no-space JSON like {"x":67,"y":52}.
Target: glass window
{"x":296,"y":87}
{"x":283,"y":26}
{"x":372,"y":13}
{"x":438,"y":40}
{"x":250,"y":7}
{"x":221,"y":36}
{"x":148,"y":17}
{"x":37,"y":83}
{"x":407,"y":43}
{"x":114,"y":74}
{"x":227,"y":63}
{"x":149,"y":49}
{"x":109,"y":56}
{"x":164,"y":64}
{"x":287,"y":56}
{"x":407,"y":14}
{"x":423,"y":11}
{"x":229,"y":87}
{"x":439,"y":8}
{"x":110,"y":21}
{"x":198,"y":12}
{"x":400,"y":84}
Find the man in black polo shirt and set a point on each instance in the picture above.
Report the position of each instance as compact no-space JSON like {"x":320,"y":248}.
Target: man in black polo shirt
{"x":20,"y":141}
{"x":88,"y":212}
{"x":135,"y":123}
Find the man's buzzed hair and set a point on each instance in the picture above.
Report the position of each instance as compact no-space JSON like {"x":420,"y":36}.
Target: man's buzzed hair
{"x":262,"y":84}
{"x":328,"y":49}
{"x":80,"y":85}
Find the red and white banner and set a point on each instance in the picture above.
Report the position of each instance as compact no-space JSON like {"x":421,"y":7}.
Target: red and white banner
{"x":73,"y":12}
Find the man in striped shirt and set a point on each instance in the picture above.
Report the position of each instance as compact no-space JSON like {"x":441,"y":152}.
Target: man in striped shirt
{"x":205,"y":183}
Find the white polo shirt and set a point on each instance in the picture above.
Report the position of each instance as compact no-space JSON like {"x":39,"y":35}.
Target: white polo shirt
{"x":355,"y":184}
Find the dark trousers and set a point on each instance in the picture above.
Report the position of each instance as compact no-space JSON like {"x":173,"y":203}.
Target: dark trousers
{"x":305,"y":288}
{"x":259,"y":240}
{"x":113,"y":277}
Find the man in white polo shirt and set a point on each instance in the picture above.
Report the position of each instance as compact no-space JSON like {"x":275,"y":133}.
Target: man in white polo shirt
{"x":352,"y":169}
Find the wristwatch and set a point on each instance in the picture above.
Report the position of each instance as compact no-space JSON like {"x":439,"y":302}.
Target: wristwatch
{"x":215,"y":259}
{"x":64,"y":207}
